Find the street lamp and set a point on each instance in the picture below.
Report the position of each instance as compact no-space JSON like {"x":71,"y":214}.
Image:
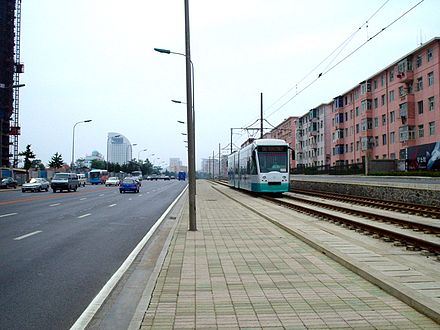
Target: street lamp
{"x":190,"y":114}
{"x":139,"y":153}
{"x":73,"y":141}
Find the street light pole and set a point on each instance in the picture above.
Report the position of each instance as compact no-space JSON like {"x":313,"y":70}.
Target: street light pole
{"x":139,"y":153}
{"x":190,"y":125}
{"x":73,"y":141}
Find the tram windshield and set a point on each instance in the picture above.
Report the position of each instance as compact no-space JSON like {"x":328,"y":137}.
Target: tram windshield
{"x":272,"y":159}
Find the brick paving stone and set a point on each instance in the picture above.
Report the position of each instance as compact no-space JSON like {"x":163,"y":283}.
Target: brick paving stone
{"x":240,"y":271}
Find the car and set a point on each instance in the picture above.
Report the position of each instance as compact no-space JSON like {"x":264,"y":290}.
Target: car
{"x":8,"y":183}
{"x":64,"y":181}
{"x":82,"y":179}
{"x":112,"y":181}
{"x":36,"y":184}
{"x":129,"y":184}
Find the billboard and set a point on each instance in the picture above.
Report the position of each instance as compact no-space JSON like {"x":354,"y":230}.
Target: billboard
{"x":424,"y":157}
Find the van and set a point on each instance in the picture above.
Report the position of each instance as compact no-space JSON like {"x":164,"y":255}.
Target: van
{"x":64,"y":181}
{"x":82,"y":179}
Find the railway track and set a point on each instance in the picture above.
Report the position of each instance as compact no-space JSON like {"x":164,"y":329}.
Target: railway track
{"x":416,"y":209}
{"x":413,"y":233}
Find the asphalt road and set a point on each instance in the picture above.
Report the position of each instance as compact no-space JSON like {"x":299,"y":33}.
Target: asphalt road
{"x":57,"y":250}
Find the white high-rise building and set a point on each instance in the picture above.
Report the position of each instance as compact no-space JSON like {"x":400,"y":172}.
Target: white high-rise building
{"x":119,"y":149}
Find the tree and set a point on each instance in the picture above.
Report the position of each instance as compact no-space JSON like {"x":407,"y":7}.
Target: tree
{"x":28,"y":155}
{"x":38,"y":164}
{"x":57,"y":161}
{"x":99,"y":164}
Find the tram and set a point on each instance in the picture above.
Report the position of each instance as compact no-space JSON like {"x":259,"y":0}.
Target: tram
{"x":262,"y":166}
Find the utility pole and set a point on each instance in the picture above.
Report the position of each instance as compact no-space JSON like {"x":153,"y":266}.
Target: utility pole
{"x":190,"y":127}
{"x":261,"y":115}
{"x":219,"y":160}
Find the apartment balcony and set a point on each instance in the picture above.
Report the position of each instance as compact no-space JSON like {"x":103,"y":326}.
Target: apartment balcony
{"x":405,"y":77}
{"x":407,"y":110}
{"x":408,"y":98}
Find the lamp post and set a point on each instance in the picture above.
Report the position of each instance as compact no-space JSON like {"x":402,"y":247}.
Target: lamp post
{"x":139,"y":153}
{"x":190,"y":114}
{"x":73,"y":141}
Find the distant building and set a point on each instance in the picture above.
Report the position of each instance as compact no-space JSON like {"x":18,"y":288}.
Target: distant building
{"x":94,"y":156}
{"x":175,"y":165}
{"x":119,"y":149}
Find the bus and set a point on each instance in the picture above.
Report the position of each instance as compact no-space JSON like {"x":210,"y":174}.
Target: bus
{"x":98,"y":176}
{"x":262,"y":166}
{"x":181,"y":176}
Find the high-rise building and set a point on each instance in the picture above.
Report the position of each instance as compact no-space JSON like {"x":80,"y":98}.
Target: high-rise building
{"x":119,"y":149}
{"x":7,"y":71}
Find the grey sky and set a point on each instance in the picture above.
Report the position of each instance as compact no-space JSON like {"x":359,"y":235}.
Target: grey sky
{"x":94,"y":59}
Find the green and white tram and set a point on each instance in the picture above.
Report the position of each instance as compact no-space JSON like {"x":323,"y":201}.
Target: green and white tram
{"x":262,"y":166}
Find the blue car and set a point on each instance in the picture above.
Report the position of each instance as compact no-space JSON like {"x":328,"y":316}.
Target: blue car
{"x":129,"y":184}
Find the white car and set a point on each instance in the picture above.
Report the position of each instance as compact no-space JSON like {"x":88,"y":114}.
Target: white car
{"x":112,"y":181}
{"x":36,"y":184}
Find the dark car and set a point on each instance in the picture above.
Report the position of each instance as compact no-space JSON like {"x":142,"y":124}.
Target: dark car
{"x":8,"y":183}
{"x":129,"y":184}
{"x":36,"y":184}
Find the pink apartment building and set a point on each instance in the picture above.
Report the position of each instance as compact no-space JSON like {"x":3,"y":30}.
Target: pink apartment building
{"x":394,"y":114}
{"x":286,"y":131}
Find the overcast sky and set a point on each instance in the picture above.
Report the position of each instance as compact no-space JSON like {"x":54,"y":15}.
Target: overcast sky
{"x":94,"y":59}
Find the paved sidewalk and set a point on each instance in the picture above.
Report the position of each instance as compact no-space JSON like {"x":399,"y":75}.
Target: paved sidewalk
{"x":240,"y":271}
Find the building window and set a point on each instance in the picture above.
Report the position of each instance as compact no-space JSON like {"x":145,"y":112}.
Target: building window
{"x":384,"y":139}
{"x":421,"y":131}
{"x":393,"y":156}
{"x":375,"y":83}
{"x":429,"y":54}
{"x":357,"y":128}
{"x":419,"y":84}
{"x":402,"y":91}
{"x":392,"y":138}
{"x":384,"y":120}
{"x":357,"y":111}
{"x":383,"y":99}
{"x":432,"y":128}
{"x":420,"y":107}
{"x":391,"y":96}
{"x":430,"y":78}
{"x":431,"y":103}
{"x":376,"y":141}
{"x":382,"y":80}
{"x":375,"y":103}
{"x":392,"y":117}
{"x":419,"y":61}
{"x":376,"y":121}
{"x":391,"y":75}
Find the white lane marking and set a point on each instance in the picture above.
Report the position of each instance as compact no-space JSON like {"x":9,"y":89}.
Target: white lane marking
{"x":101,"y":195}
{"x":84,"y":215}
{"x":27,"y":235}
{"x":81,"y":199}
{"x":97,"y":302}
{"x":56,"y":204}
{"x":130,"y":199}
{"x":140,"y":195}
{"x":111,"y":205}
{"x":7,"y":215}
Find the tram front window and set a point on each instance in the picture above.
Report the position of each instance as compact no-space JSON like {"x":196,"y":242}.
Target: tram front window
{"x":272,"y":162}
